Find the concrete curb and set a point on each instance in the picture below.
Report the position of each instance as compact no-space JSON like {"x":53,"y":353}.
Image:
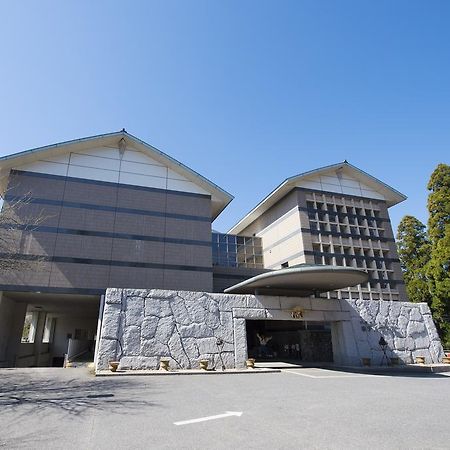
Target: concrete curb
{"x":121,"y":373}
{"x":408,"y":368}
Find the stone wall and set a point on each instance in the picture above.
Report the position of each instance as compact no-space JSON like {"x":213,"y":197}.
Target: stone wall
{"x":140,"y":327}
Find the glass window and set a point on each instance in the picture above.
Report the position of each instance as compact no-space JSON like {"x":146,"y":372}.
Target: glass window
{"x":29,"y":327}
{"x":49,"y":329}
{"x":339,"y":260}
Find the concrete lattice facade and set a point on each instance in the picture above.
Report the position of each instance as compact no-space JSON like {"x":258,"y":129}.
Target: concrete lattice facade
{"x":331,"y":218}
{"x":142,"y":326}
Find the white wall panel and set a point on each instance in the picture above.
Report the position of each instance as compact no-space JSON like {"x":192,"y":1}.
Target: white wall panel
{"x":62,"y":159}
{"x":143,"y":169}
{"x":330,"y":179}
{"x":94,"y":161}
{"x":350,"y":183}
{"x":45,"y":167}
{"x":104,"y":152}
{"x":345,"y":185}
{"x":139,"y":157}
{"x":185,"y":186}
{"x":175,"y":176}
{"x":104,"y":164}
{"x":371,"y":194}
{"x":333,"y":188}
{"x":142,"y":180}
{"x":310,"y":184}
{"x":351,"y":191}
{"x":93,"y":174}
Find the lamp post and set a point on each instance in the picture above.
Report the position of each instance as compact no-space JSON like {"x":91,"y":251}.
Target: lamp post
{"x":220,"y":344}
{"x":383,"y":345}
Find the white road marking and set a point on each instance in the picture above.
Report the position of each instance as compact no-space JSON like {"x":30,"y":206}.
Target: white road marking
{"x":204,"y":419}
{"x":328,"y":376}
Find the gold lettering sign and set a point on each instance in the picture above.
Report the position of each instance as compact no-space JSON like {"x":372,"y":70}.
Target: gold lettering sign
{"x":297,"y":313}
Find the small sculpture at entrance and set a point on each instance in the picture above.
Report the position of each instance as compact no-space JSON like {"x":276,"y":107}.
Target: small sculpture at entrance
{"x":263,"y":350}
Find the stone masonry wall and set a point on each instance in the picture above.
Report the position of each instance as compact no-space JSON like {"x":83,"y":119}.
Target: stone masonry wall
{"x":140,"y":327}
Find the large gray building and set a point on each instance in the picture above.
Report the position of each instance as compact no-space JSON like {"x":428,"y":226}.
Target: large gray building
{"x":118,"y":213}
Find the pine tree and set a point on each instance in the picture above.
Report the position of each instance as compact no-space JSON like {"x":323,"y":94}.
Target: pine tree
{"x":438,"y":270}
{"x":414,"y":253}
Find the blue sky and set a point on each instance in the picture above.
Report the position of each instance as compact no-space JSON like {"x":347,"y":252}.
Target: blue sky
{"x":245,"y":92}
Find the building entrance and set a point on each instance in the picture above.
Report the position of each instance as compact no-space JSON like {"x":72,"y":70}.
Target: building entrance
{"x":289,"y":341}
{"x":42,"y":329}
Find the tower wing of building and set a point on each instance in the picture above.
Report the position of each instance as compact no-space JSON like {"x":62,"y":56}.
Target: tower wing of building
{"x":343,"y":178}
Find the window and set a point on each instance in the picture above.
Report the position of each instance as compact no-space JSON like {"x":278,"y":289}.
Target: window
{"x":49,"y":329}
{"x":29,"y":327}
{"x":285,"y":265}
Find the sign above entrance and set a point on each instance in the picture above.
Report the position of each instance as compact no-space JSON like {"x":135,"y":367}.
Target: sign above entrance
{"x":297,"y":313}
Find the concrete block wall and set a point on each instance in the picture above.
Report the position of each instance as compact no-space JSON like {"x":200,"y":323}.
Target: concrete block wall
{"x":139,"y":327}
{"x":97,"y":234}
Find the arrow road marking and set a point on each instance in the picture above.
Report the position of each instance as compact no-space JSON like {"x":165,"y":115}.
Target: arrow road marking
{"x":204,"y":419}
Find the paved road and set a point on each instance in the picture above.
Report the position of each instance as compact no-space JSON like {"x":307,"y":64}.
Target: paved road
{"x":297,"y":408}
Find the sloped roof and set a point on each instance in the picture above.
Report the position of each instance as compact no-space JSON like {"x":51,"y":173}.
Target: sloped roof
{"x":386,"y":192}
{"x":220,"y":198}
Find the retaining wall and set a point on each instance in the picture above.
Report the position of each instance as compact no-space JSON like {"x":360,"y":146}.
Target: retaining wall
{"x":139,"y":327}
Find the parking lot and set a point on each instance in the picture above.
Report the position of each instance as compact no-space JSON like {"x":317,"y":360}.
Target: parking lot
{"x":296,"y":408}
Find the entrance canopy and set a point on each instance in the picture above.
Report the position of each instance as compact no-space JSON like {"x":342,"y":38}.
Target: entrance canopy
{"x":301,"y":281}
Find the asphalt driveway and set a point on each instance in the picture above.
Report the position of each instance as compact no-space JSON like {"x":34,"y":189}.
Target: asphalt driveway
{"x":297,"y":408}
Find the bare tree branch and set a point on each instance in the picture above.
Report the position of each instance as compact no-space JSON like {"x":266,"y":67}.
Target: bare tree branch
{"x":18,"y":221}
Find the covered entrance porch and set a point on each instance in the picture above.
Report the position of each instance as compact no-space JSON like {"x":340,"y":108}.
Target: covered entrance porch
{"x":296,"y":342}
{"x":38,"y":329}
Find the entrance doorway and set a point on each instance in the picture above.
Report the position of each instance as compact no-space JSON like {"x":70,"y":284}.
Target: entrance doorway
{"x":46,"y":329}
{"x":289,"y":341}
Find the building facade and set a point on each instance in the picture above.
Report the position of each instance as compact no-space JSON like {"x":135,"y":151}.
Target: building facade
{"x":118,"y":213}
{"x":336,"y":215}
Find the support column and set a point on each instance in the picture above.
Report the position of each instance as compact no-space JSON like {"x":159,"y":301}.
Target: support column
{"x":12,"y":317}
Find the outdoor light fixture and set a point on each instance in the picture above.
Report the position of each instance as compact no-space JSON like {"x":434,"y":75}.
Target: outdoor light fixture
{"x":383,"y":344}
{"x":220,"y":344}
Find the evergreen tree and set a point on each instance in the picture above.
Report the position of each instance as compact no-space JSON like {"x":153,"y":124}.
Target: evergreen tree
{"x":438,"y":270}
{"x":414,"y":253}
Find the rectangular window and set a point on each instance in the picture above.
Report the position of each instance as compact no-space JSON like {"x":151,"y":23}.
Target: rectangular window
{"x":29,"y":327}
{"x":49,"y":330}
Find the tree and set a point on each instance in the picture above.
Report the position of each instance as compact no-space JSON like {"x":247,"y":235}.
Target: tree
{"x":438,"y":270}
{"x":414,"y":253}
{"x":18,"y":219}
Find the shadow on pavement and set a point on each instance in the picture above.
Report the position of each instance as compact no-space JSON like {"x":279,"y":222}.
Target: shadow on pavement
{"x":70,"y":392}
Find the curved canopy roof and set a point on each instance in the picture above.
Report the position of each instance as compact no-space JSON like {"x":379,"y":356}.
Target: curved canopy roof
{"x":300,"y":281}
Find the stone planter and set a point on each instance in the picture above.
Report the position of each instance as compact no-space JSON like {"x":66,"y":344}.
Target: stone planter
{"x":366,"y":362}
{"x":420,"y":359}
{"x":250,"y":363}
{"x":164,"y":364}
{"x":204,"y":364}
{"x":113,"y":365}
{"x":446,"y":359}
{"x":394,"y":361}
